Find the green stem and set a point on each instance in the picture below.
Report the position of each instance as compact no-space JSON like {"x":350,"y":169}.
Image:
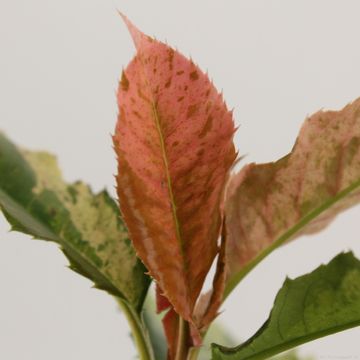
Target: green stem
{"x":181,"y":348}
{"x":141,"y":338}
{"x":193,"y":353}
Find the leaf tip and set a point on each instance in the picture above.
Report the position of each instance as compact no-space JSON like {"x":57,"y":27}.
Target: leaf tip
{"x":139,"y":38}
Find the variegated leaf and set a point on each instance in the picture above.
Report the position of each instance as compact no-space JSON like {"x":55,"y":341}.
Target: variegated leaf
{"x":269,"y":204}
{"x":36,"y":201}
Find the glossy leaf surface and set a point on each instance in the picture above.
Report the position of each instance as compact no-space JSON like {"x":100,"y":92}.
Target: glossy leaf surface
{"x":321,"y":303}
{"x":36,"y":201}
{"x":174,"y":145}
{"x":270,"y":204}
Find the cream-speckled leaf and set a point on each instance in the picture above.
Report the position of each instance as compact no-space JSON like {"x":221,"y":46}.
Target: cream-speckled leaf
{"x":270,"y":204}
{"x":35,"y":200}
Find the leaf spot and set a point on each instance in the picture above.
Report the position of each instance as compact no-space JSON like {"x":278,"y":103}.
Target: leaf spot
{"x":168,"y":83}
{"x":124,"y":83}
{"x":171,"y":53}
{"x":192,"y":109}
{"x":137,"y":114}
{"x":200,"y":152}
{"x":142,"y":96}
{"x":194,"y":75}
{"x":207,"y":127}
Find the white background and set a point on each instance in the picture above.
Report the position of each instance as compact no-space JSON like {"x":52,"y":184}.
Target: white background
{"x":276,"y":61}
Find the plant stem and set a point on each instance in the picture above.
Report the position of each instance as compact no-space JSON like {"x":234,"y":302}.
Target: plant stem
{"x":193,"y":353}
{"x":181,"y":348}
{"x":141,"y":338}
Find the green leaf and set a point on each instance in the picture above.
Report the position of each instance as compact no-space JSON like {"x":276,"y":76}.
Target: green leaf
{"x":291,"y":355}
{"x":217,"y":332}
{"x":318,"y":304}
{"x":36,"y":201}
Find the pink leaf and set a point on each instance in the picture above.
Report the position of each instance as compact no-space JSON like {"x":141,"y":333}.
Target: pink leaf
{"x":174,"y":145}
{"x":270,"y":204}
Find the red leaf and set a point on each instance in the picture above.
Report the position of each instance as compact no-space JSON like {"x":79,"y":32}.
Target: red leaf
{"x":171,"y":325}
{"x":170,"y":321}
{"x":174,"y":145}
{"x":206,"y":309}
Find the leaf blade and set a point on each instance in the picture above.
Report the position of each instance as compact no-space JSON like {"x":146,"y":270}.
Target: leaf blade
{"x":159,"y":99}
{"x":36,"y":201}
{"x":318,"y":304}
{"x":208,"y":305}
{"x":270,"y":204}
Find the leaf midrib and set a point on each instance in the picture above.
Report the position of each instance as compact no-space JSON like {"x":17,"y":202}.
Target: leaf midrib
{"x":168,"y":177}
{"x":277,"y":349}
{"x":235,"y":279}
{"x":59,"y":240}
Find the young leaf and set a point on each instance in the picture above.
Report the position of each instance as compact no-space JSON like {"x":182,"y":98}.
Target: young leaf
{"x":170,"y":322}
{"x":174,"y":146}
{"x":321,"y":303}
{"x":208,"y":305}
{"x":36,"y":201}
{"x":269,"y":204}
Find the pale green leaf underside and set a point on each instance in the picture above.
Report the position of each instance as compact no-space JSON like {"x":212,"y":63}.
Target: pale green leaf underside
{"x":318,"y":304}
{"x":36,"y":201}
{"x":291,"y":355}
